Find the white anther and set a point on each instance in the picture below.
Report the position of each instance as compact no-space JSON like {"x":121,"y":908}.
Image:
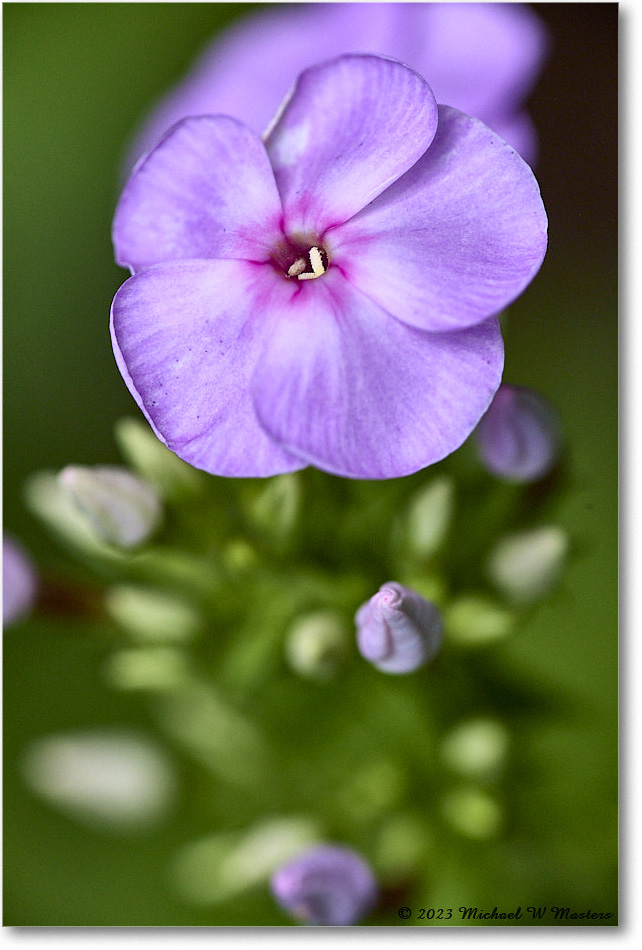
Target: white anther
{"x":316,"y":263}
{"x":295,"y":269}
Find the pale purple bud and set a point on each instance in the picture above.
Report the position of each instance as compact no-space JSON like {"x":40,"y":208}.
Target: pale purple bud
{"x":123,"y":509}
{"x":518,"y":438}
{"x":397,"y":629}
{"x":326,"y":885}
{"x":19,"y":582}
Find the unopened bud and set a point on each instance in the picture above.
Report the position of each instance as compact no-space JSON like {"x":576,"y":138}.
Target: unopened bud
{"x":518,"y":438}
{"x":152,"y":615}
{"x":326,"y":885}
{"x":397,"y":629}
{"x":152,"y":459}
{"x":401,"y":845}
{"x":123,"y":509}
{"x":475,"y":620}
{"x":218,"y":867}
{"x":429,"y":516}
{"x":110,"y":778}
{"x":472,"y":812}
{"x":153,"y":669}
{"x":19,"y":582}
{"x":476,"y":748}
{"x":316,"y":644}
{"x":525,"y":566}
{"x":276,"y":508}
{"x":48,"y":500}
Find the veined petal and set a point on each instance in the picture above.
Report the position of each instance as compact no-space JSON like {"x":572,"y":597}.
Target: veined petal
{"x":188,"y":334}
{"x":349,"y":128}
{"x":207,"y":190}
{"x":456,"y":239}
{"x":357,"y":393}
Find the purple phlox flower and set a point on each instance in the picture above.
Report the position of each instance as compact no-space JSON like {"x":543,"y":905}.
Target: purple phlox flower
{"x":19,"y":581}
{"x":326,"y":885}
{"x":480,"y":58}
{"x":398,"y":630}
{"x":327,"y":297}
{"x":518,"y":438}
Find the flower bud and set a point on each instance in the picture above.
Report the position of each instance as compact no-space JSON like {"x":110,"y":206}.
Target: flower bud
{"x":276,"y":508}
{"x":525,"y":566}
{"x":154,"y":461}
{"x":472,"y":812}
{"x":122,"y":509}
{"x":19,"y":582}
{"x":476,"y":620}
{"x":153,"y":669}
{"x":518,"y":438}
{"x":397,"y":629}
{"x":316,"y":644}
{"x":476,"y":748}
{"x":429,"y":517}
{"x":150,"y":615}
{"x":226,"y":864}
{"x":53,"y":504}
{"x":326,"y":885}
{"x":402,"y":841}
{"x":110,"y":778}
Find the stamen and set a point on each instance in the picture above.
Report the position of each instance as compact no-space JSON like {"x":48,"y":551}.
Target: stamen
{"x":297,"y":268}
{"x":316,"y":263}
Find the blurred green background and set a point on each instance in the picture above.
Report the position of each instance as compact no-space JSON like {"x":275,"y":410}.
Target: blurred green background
{"x":77,"y":77}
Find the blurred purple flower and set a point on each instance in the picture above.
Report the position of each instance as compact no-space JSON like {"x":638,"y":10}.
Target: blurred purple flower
{"x":518,"y":438}
{"x":326,"y":885}
{"x":19,"y":581}
{"x":397,"y":629}
{"x":324,"y":298}
{"x":480,"y":58}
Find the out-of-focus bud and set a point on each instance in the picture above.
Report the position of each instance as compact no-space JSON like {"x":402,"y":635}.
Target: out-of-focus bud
{"x":19,"y":581}
{"x":275,"y":510}
{"x":372,"y":790}
{"x":154,"y":669}
{"x":218,"y":867}
{"x":316,"y":644}
{"x":518,"y":438}
{"x":240,"y":557}
{"x":154,"y":461}
{"x":115,"y":779}
{"x":401,"y":844}
{"x":475,"y":620}
{"x":472,"y":812}
{"x":428,"y":518}
{"x":326,"y":885}
{"x":397,"y":629}
{"x":152,"y":615}
{"x":476,"y":748}
{"x":50,"y":502}
{"x":525,"y":566}
{"x":123,"y":509}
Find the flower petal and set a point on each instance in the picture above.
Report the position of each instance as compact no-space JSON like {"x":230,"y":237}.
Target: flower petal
{"x":520,"y":133}
{"x":479,"y":58}
{"x":187,"y":335}
{"x":207,"y":190}
{"x":456,"y":239}
{"x":360,"y":394}
{"x":349,"y":128}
